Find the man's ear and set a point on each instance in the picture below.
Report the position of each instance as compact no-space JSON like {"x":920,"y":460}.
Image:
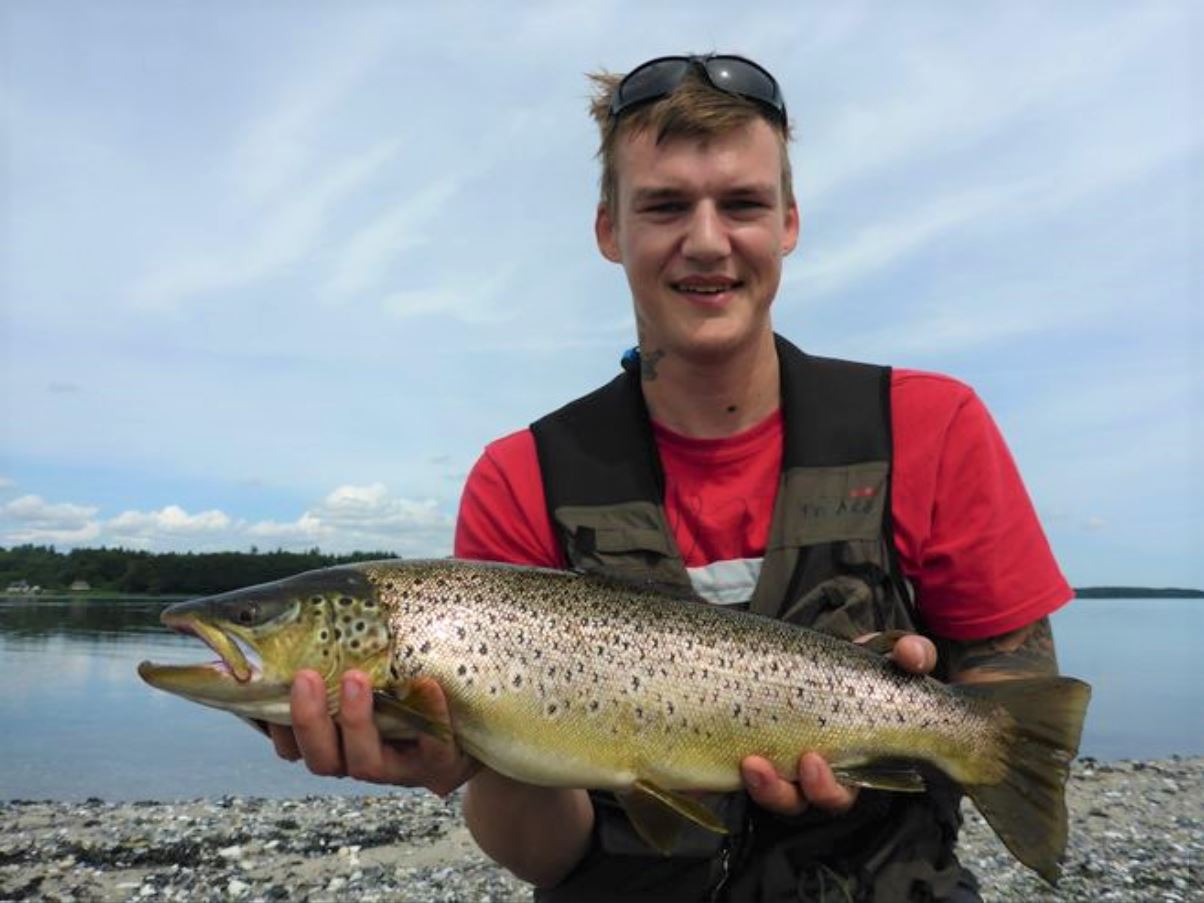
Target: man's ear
{"x":606,"y":235}
{"x":793,"y":227}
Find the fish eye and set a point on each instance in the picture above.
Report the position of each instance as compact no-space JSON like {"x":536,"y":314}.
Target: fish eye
{"x":248,"y":614}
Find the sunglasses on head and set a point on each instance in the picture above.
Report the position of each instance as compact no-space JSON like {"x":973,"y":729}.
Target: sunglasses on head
{"x":726,"y":72}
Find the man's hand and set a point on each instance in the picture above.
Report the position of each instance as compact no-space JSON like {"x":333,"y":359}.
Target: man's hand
{"x":815,"y":784}
{"x":352,"y":746}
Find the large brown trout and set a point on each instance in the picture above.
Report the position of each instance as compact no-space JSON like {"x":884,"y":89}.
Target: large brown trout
{"x":560,"y":679}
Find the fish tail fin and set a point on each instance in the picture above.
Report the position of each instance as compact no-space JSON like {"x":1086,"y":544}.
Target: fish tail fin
{"x":1027,"y":808}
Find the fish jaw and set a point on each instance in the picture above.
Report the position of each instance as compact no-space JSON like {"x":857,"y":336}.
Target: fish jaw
{"x":213,"y":684}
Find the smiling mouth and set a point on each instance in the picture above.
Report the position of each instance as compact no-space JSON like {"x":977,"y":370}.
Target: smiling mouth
{"x":705,"y":289}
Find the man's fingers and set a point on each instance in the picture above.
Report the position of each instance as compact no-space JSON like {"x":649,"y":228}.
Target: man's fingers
{"x":911,"y":652}
{"x":820,"y":786}
{"x":314,"y":729}
{"x":914,"y":653}
{"x":362,"y":749}
{"x":770,"y":791}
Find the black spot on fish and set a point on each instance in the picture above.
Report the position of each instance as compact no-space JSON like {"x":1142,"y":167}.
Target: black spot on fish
{"x":551,"y":708}
{"x":355,"y":644}
{"x":483,"y":649}
{"x":462,"y":670}
{"x":360,"y":626}
{"x":517,"y":681}
{"x":593,"y":706}
{"x":344,"y":601}
{"x":338,"y":634}
{"x":409,"y":651}
{"x":635,"y":682}
{"x":425,"y":647}
{"x":324,"y":636}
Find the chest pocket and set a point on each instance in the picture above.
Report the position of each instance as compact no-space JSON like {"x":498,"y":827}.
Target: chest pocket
{"x":629,"y":541}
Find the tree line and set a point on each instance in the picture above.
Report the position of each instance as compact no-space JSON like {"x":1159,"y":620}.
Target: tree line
{"x":167,"y":573}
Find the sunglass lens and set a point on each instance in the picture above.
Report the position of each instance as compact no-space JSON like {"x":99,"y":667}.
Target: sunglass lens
{"x":652,"y":80}
{"x":741,"y":77}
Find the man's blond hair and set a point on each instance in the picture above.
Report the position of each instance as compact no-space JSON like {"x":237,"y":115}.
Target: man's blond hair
{"x":694,"y":109}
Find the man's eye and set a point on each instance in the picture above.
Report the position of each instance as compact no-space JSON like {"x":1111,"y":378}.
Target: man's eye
{"x":665,"y":207}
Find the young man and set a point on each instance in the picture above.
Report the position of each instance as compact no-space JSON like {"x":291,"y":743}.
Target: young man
{"x":845,"y":497}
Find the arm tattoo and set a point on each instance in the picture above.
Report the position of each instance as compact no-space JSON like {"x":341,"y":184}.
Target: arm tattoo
{"x":648,"y":362}
{"x":1027,"y":652}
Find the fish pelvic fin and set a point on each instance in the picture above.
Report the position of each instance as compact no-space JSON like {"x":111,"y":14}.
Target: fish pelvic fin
{"x":884,"y":774}
{"x":413,"y":707}
{"x":1027,"y":809}
{"x":658,"y":814}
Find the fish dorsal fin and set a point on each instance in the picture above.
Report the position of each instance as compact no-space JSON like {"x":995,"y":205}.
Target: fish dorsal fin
{"x":412,"y":707}
{"x":657,"y":814}
{"x":882,"y":775}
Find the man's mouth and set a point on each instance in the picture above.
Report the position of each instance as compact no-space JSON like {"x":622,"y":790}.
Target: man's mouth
{"x":706,"y":287}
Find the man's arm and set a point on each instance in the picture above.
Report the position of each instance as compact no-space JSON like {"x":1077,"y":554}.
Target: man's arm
{"x":1025,"y":652}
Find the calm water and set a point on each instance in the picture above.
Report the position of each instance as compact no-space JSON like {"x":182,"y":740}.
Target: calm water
{"x":78,"y":722}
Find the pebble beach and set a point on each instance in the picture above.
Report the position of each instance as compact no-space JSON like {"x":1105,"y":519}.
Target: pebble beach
{"x":1137,"y":834}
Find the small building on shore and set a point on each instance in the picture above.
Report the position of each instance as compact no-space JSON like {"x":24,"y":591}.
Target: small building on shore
{"x":79,"y":586}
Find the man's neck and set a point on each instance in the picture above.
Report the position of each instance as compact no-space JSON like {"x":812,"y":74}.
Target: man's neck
{"x":712,"y":398}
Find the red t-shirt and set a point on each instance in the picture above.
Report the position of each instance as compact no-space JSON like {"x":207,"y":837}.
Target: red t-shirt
{"x":966,"y":532}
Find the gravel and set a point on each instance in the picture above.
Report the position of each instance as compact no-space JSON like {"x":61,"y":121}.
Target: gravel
{"x":1135,"y":835}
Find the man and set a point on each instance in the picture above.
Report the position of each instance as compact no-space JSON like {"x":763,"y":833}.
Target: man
{"x":727,"y":462}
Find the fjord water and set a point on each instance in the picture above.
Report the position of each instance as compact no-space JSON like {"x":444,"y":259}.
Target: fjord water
{"x":77,"y":721}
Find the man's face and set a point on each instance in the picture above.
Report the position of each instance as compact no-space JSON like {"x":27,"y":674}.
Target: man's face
{"x":701,"y":229}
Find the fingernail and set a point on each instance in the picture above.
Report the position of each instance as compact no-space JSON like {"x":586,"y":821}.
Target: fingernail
{"x":754,"y":780}
{"x":352,"y":691}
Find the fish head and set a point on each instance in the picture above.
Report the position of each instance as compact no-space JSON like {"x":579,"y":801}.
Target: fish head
{"x":327,"y":620}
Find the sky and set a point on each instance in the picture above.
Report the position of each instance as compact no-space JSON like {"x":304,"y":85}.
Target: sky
{"x":272,"y":274}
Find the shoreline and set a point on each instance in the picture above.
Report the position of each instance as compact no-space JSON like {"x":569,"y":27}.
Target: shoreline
{"x":1137,"y":832}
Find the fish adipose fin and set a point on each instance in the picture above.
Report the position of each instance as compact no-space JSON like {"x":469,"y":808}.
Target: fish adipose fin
{"x":411,"y":708}
{"x":657,"y":814}
{"x":1027,"y":809}
{"x":882,"y":775}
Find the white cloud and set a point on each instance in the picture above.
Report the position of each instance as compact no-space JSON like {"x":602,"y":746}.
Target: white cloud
{"x":31,"y":519}
{"x":170,"y":519}
{"x":364,"y":518}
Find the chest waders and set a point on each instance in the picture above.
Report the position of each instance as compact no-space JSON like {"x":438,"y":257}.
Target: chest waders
{"x":830,"y":565}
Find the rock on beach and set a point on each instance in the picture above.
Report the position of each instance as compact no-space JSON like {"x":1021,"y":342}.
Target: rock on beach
{"x":1135,"y":835}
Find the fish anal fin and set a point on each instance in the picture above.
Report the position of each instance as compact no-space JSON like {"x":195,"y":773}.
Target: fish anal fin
{"x":900,"y":776}
{"x":409,"y":704}
{"x":658,"y":814}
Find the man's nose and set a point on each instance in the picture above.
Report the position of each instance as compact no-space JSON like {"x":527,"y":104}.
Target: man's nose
{"x":706,"y":235}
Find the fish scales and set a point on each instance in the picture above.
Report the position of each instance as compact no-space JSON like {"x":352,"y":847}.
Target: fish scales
{"x":621,"y":683}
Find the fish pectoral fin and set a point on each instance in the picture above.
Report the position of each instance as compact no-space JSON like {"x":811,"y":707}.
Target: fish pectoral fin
{"x":658,"y":814}
{"x":414,"y":709}
{"x":884,"y":775}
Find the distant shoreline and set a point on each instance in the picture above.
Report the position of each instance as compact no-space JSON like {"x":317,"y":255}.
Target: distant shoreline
{"x":1136,"y":592}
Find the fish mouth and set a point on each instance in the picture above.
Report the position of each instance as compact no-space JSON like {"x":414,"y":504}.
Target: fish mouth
{"x":232,"y":665}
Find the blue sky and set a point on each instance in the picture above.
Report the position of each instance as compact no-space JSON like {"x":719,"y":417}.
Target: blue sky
{"x":273,"y":274}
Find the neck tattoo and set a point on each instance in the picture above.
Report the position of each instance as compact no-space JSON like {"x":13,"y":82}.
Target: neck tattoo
{"x":648,"y":362}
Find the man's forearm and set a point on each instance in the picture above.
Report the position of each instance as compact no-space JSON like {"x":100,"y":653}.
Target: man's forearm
{"x":1027,"y":652}
{"x":538,"y":833}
